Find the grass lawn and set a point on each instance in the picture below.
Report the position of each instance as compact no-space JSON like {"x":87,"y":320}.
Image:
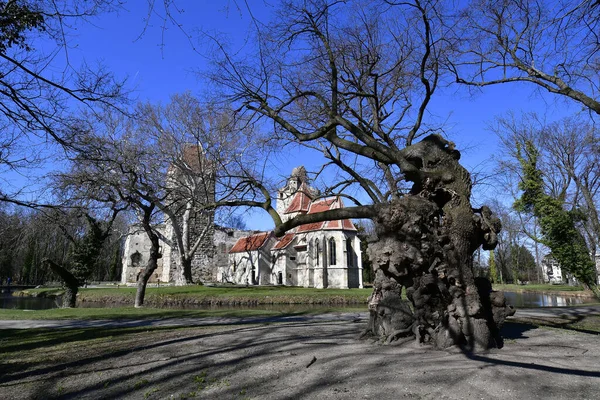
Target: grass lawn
{"x":582,"y":323}
{"x":538,"y":288}
{"x":218,"y":295}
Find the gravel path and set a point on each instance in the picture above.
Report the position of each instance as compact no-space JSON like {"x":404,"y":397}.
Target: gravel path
{"x":310,"y":358}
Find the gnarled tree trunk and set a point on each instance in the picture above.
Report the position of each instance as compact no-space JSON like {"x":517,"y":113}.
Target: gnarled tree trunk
{"x":150,"y":266}
{"x":71,"y":283}
{"x":426,"y":242}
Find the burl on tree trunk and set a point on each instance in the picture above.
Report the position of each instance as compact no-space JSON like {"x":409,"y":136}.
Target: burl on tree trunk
{"x":426,"y":242}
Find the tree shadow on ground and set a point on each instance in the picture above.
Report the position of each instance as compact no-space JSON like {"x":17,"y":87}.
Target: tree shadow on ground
{"x":516,"y":330}
{"x":273,"y":355}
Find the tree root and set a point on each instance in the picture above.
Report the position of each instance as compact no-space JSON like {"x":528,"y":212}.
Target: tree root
{"x":400,"y":332}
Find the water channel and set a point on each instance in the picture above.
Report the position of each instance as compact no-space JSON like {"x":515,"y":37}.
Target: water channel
{"x":519,"y":300}
{"x":7,"y":300}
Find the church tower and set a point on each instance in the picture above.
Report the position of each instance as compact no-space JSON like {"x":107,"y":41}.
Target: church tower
{"x":295,"y":197}
{"x":191,"y":183}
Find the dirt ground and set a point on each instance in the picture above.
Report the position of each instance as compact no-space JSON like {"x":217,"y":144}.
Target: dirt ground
{"x":313,"y":359}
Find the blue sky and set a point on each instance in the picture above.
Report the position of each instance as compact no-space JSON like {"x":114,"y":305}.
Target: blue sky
{"x":159,"y":63}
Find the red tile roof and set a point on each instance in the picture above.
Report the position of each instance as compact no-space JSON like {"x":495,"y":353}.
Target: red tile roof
{"x":300,"y":202}
{"x":324,"y":205}
{"x":284,"y":241}
{"x":250,"y":243}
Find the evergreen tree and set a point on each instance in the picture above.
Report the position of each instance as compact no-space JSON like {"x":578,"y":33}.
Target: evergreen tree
{"x":492,"y":268}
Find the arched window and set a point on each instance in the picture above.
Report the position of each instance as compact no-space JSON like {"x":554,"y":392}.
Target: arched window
{"x":317,"y":251}
{"x":350,"y":252}
{"x":332,"y":255}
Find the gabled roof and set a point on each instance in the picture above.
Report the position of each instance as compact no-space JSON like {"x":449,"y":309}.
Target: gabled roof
{"x":300,"y":201}
{"x":324,"y":205}
{"x":250,"y":243}
{"x":284,"y":241}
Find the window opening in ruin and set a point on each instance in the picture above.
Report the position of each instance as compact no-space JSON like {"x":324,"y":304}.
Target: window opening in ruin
{"x":136,"y":259}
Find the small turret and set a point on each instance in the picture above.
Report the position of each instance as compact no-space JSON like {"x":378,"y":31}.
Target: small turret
{"x":298,"y":181}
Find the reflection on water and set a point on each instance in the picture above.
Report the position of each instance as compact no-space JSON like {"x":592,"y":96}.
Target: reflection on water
{"x":7,"y":300}
{"x":530,"y":299}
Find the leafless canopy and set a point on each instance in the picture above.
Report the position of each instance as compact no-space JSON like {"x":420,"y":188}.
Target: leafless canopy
{"x":352,"y":80}
{"x":39,"y":86}
{"x":553,"y":44}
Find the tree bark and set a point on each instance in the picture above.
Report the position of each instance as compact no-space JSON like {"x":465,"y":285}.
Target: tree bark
{"x":71,"y":283}
{"x":152,"y":262}
{"x":426,"y":241}
{"x":186,"y":265}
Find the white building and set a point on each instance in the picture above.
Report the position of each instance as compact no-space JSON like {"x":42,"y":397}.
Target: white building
{"x":249,"y":261}
{"x":320,"y":255}
{"x":553,"y":272}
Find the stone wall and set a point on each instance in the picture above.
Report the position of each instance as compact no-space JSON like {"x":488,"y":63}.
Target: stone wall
{"x":136,"y":254}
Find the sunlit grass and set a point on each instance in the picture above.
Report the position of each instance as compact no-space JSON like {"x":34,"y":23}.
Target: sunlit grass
{"x":538,"y":288}
{"x":194,"y":294}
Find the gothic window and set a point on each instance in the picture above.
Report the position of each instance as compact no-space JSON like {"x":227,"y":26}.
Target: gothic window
{"x":332,"y":255}
{"x":350,"y":253}
{"x":317,"y":251}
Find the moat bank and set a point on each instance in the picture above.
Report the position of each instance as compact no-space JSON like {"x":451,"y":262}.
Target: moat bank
{"x":272,"y":297}
{"x":206,"y":296}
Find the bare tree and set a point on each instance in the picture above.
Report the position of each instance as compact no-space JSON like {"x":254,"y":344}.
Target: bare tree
{"x":554,"y":45}
{"x":112,"y":164}
{"x":39,"y":86}
{"x":204,"y":159}
{"x":176,"y":164}
{"x":355,"y":81}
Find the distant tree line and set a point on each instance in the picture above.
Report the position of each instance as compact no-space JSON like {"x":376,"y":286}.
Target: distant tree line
{"x":28,"y":237}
